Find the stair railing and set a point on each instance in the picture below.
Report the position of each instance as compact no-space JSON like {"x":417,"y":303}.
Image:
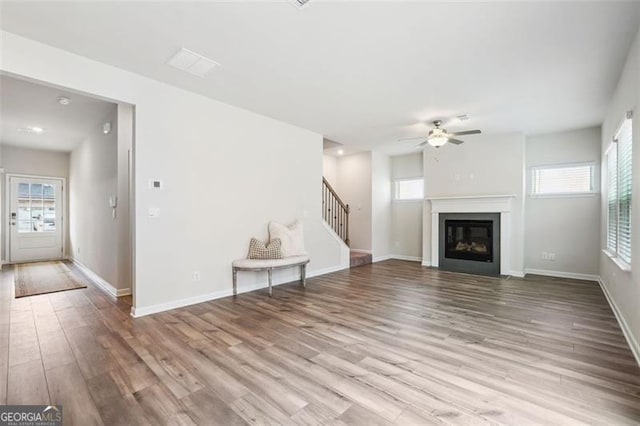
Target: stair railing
{"x":335,"y":212}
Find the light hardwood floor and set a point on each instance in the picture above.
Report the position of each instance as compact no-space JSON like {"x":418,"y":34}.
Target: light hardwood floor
{"x":389,"y":343}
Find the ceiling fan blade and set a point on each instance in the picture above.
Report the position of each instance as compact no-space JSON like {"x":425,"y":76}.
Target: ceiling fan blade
{"x":421,"y":144}
{"x":466,"y":132}
{"x":455,"y":141}
{"x":411,"y":138}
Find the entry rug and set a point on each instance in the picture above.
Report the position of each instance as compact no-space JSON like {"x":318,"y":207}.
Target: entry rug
{"x":45,"y":277}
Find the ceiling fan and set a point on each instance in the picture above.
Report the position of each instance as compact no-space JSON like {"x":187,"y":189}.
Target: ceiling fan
{"x":439,"y":136}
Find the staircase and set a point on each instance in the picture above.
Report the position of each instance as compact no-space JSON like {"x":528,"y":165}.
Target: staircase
{"x":359,"y":258}
{"x":336,"y":214}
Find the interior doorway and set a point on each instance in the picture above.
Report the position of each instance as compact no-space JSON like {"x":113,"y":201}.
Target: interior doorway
{"x":36,"y":218}
{"x":67,"y":194}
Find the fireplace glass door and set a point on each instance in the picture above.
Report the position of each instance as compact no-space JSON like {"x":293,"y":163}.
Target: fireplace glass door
{"x":469,"y":240}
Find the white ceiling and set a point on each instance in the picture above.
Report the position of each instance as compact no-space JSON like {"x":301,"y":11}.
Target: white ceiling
{"x":25,"y":104}
{"x":365,"y":73}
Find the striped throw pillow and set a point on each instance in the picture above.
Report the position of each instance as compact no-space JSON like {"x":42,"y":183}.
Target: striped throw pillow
{"x":258,"y":249}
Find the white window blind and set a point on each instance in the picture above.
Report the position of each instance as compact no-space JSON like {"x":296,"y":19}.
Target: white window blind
{"x":409,"y":189}
{"x":619,"y":192}
{"x":566,"y":179}
{"x":612,"y":198}
{"x":625,"y":172}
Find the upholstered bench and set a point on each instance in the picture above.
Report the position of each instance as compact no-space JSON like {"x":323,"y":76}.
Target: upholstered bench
{"x":257,"y":265}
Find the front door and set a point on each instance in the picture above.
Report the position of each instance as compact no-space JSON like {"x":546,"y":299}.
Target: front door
{"x":35,"y":219}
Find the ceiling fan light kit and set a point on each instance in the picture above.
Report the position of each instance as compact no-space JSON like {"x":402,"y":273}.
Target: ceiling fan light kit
{"x":438,"y":136}
{"x":437,"y":141}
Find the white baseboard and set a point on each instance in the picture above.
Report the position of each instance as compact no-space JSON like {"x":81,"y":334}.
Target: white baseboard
{"x":626,"y":330}
{"x":518,"y":274}
{"x":403,"y":257}
{"x":396,"y":256}
{"x":381,"y":258}
{"x":426,"y":263}
{"x":161,"y":307}
{"x":561,"y":274}
{"x":326,"y":271}
{"x":104,"y":285}
{"x":123,"y":292}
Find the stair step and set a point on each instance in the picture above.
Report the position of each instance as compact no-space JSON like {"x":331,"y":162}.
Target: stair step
{"x":359,"y":258}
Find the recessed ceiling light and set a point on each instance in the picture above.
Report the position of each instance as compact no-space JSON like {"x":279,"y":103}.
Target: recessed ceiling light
{"x":63,"y":100}
{"x":192,"y":62}
{"x":340,"y":152}
{"x":31,"y":129}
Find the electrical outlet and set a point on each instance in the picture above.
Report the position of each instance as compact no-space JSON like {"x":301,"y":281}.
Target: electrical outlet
{"x":196,"y":276}
{"x":544,"y":255}
{"x":552,"y":256}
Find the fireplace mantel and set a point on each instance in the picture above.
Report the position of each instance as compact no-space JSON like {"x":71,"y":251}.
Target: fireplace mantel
{"x":474,"y":204}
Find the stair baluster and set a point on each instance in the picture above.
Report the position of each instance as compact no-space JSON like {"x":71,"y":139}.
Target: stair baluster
{"x":335,"y":212}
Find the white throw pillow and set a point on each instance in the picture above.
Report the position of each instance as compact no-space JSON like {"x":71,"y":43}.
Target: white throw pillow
{"x":291,"y":237}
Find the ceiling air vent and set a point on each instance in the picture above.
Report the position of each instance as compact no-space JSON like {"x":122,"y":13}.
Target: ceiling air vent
{"x":300,"y":4}
{"x":192,"y":62}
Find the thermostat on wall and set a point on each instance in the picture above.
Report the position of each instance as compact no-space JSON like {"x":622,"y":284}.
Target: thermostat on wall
{"x":155,"y":184}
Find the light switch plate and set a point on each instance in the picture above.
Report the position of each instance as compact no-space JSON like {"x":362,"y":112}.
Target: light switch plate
{"x":154,"y":212}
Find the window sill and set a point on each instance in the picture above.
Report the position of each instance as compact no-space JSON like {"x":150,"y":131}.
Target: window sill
{"x":568,"y":195}
{"x":624,"y":266}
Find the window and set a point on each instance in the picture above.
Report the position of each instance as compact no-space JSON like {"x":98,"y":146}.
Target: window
{"x":619,"y":192}
{"x":563,"y":179}
{"x":612,"y":198}
{"x":36,"y":207}
{"x":408,"y":189}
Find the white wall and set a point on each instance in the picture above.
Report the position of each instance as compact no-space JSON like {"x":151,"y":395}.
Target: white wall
{"x":2,"y":217}
{"x":563,"y":225}
{"x":329,"y":169}
{"x":354,"y":180}
{"x":406,"y":216}
{"x":32,"y":162}
{"x":218,"y":189}
{"x":624,"y":287}
{"x":380,"y":206}
{"x":483,"y":165}
{"x":93,"y":179}
{"x":125,"y":122}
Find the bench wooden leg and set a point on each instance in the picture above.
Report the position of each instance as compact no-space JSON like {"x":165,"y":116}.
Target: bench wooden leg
{"x":270,"y":276}
{"x":303,"y":275}
{"x":235,"y":282}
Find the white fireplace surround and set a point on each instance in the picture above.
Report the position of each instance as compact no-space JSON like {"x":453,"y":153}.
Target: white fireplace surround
{"x":474,"y":204}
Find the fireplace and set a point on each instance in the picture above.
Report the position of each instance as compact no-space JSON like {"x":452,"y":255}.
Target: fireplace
{"x":470,"y":242}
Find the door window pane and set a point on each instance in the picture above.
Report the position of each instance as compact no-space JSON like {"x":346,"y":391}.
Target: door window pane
{"x":24,"y":226}
{"x":24,"y":213}
{"x":36,"y":207}
{"x":36,"y":190}
{"x":23,"y":190}
{"x":49,"y":192}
